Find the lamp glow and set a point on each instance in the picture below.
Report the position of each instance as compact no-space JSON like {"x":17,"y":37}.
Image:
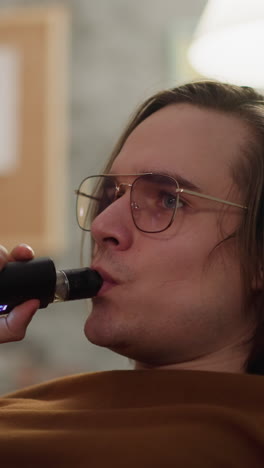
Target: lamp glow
{"x":229,"y":40}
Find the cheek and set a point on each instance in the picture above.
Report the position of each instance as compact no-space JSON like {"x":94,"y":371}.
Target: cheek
{"x":188,"y":286}
{"x":195,"y":244}
{"x":185,"y":253}
{"x":174,"y":267}
{"x":187,"y":262}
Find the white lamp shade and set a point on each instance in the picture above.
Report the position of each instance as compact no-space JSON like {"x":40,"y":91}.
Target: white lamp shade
{"x":229,"y":42}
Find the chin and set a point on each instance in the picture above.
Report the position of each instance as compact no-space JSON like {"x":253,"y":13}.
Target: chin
{"x":96,"y":335}
{"x":107,"y":336}
{"x":100,"y":330}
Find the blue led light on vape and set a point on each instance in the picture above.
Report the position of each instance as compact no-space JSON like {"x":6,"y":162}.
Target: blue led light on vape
{"x":3,"y":307}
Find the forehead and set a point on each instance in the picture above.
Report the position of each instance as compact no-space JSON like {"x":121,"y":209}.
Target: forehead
{"x":198,"y":144}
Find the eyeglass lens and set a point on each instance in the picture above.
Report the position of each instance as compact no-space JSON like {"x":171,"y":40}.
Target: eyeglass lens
{"x":153,"y":200}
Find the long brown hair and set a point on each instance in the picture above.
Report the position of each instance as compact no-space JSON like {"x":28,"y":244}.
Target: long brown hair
{"x":248,"y":174}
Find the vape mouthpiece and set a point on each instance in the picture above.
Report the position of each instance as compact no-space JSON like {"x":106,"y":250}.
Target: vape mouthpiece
{"x":38,"y":279}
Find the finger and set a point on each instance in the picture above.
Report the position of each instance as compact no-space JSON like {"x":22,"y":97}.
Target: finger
{"x":3,"y":257}
{"x":21,"y":252}
{"x":13,"y":326}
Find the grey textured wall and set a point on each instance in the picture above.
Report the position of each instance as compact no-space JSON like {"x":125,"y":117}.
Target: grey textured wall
{"x":118,"y":56}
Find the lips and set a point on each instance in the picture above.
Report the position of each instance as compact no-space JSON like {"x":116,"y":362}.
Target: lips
{"x":108,"y":281}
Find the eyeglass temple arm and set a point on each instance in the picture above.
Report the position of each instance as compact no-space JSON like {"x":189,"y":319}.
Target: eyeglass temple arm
{"x":209,"y":197}
{"x":85,"y":195}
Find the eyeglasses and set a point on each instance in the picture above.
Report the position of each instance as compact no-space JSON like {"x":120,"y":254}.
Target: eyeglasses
{"x":154,"y":199}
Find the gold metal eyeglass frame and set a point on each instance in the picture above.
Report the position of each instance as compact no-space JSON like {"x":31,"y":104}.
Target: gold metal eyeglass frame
{"x":178,"y":190}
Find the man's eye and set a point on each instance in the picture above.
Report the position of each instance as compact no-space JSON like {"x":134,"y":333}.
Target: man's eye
{"x":169,"y":201}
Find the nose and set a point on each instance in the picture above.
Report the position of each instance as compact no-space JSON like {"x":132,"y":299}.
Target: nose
{"x":114,"y":227}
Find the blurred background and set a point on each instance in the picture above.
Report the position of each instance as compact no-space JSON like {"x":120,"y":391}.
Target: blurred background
{"x":92,"y":63}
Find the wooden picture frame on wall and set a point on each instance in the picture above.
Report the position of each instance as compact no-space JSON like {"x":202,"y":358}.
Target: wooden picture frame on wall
{"x":34,"y":50}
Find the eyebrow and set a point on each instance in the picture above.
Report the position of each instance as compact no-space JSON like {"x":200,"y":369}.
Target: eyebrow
{"x":183,"y":183}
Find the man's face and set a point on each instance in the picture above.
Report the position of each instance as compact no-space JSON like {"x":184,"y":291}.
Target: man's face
{"x":175,"y":297}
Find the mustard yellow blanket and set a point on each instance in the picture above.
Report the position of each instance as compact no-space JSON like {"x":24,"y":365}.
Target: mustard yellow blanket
{"x":132,"y":419}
